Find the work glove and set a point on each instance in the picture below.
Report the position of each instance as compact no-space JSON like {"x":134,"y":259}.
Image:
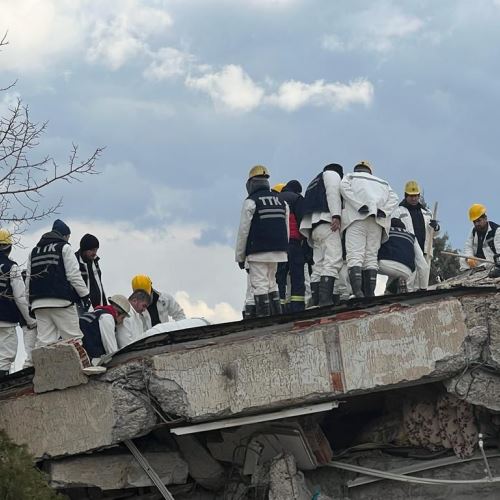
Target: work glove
{"x":86,"y":303}
{"x":241,"y":265}
{"x":363,"y":210}
{"x":472,"y":263}
{"x":31,"y":326}
{"x":381,"y":214}
{"x":434,"y":224}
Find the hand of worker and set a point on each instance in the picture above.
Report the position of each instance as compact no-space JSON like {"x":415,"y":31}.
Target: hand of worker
{"x":496,"y":259}
{"x":31,"y":326}
{"x":472,"y":263}
{"x":335,"y":225}
{"x":86,"y":303}
{"x":434,"y":224}
{"x":381,"y":214}
{"x":363,"y":210}
{"x":241,"y":265}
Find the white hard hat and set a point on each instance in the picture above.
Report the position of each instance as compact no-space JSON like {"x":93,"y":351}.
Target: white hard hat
{"x":122,"y":302}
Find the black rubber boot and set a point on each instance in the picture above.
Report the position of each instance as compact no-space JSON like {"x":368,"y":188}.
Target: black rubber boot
{"x":356,"y":280}
{"x":262,"y":308}
{"x":249,"y":311}
{"x":297,"y":306}
{"x":275,"y":303}
{"x":315,"y":293}
{"x":4,"y":373}
{"x":369,"y":282}
{"x":326,"y":290}
{"x":336,"y":299}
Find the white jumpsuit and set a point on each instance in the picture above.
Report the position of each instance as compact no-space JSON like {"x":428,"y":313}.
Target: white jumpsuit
{"x":365,"y":232}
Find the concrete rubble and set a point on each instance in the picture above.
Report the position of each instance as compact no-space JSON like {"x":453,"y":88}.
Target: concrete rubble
{"x":390,"y":362}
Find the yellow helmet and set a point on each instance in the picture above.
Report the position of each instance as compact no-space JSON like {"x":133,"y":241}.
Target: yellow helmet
{"x":142,"y":282}
{"x":279,"y":187}
{"x":364,"y":163}
{"x":475,"y":211}
{"x":5,"y":237}
{"x":412,"y":188}
{"x":258,"y":170}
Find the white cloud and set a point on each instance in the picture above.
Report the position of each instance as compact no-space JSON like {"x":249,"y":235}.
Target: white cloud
{"x":230,"y":88}
{"x":293,"y":95}
{"x":233,"y":89}
{"x":40,"y":32}
{"x":168,"y":62}
{"x":220,"y":313}
{"x":123,"y":37}
{"x":376,"y":29}
{"x":44,"y":33}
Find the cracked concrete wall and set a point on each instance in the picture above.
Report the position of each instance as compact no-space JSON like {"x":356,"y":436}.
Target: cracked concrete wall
{"x":77,"y":419}
{"x":258,"y":371}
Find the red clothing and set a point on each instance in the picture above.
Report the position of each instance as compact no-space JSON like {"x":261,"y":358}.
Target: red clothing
{"x":294,"y":228}
{"x":110,"y":309}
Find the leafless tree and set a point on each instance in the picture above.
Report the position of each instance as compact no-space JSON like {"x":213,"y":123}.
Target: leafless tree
{"x":23,"y":175}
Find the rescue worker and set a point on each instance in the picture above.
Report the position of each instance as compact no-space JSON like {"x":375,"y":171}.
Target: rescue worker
{"x":163,"y":305}
{"x":262,"y":240}
{"x":89,"y":267}
{"x":99,"y":326}
{"x":400,"y":256}
{"x":13,"y":304}
{"x":53,"y":284}
{"x":368,"y":204}
{"x":484,"y":239}
{"x":133,"y":326}
{"x":321,"y":225}
{"x":418,"y":221}
{"x":294,"y":267}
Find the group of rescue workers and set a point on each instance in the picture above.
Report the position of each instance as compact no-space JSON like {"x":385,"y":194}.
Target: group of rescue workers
{"x":338,"y":237}
{"x":60,"y":296}
{"x":334,"y":240}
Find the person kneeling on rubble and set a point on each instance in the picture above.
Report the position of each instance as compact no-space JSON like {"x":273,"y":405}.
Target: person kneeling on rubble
{"x":262,"y":240}
{"x":134,"y":325}
{"x":99,"y":326}
{"x":399,"y":257}
{"x":163,"y":306}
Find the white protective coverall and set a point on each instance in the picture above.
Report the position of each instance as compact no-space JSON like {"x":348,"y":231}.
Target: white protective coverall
{"x":365,"y":232}
{"x":420,"y":278}
{"x":132,"y":329}
{"x":8,"y":335}
{"x":168,"y":308}
{"x":262,"y":266}
{"x":58,"y":318}
{"x":470,"y":248}
{"x":326,"y":244}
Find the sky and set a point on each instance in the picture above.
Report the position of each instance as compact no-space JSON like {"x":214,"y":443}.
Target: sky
{"x":187,"y":95}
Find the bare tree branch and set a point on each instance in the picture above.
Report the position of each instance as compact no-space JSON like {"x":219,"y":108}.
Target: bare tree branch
{"x":23,"y":176}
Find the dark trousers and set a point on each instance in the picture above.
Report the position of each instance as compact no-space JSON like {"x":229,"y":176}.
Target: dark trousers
{"x":295,"y":268}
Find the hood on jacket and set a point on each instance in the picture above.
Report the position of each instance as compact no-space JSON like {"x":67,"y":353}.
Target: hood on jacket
{"x":255,"y":184}
{"x":294,"y":186}
{"x":51,"y":237}
{"x":336,"y":168}
{"x":405,"y":204}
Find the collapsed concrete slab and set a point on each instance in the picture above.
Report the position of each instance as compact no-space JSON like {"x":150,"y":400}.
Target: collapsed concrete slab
{"x":254,"y":370}
{"x":116,"y":471}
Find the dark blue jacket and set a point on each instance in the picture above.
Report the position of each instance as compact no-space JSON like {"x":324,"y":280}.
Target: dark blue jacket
{"x":268,"y":231}
{"x":8,"y":308}
{"x":399,"y":248}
